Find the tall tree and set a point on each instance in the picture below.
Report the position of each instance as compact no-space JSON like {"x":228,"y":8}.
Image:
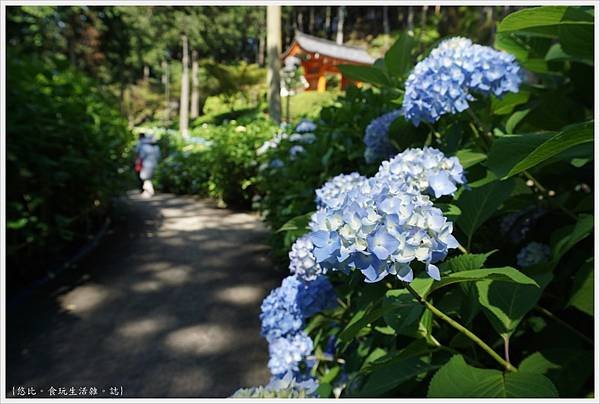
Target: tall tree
{"x":194,"y":105}
{"x":327,"y":21}
{"x":184,"y":100}
{"x":165,"y":81}
{"x":339,"y":37}
{"x":273,"y":62}
{"x":410,"y":18}
{"x":386,"y":24}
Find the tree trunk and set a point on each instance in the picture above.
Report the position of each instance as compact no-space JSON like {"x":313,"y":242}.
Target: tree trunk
{"x":311,"y":20}
{"x":165,"y":81}
{"x":274,"y":64}
{"x":146,"y":73}
{"x":327,"y":21}
{"x":260,"y":55}
{"x":300,"y":21}
{"x":386,"y":24}
{"x":339,"y":36}
{"x":184,"y":101}
{"x":410,"y":19}
{"x":423,"y":17}
{"x":194,"y":110}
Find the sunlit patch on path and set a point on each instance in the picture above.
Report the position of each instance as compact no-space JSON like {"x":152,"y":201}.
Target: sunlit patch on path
{"x":169,"y":307}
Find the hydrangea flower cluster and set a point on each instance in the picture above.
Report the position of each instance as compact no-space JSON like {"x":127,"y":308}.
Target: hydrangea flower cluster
{"x":385,"y":223}
{"x":295,"y":151}
{"x":306,"y":125}
{"x":282,"y":316}
{"x":442,"y":83}
{"x":307,"y":138}
{"x":283,"y":311}
{"x":515,"y":226}
{"x":532,"y":254}
{"x":377,"y":142}
{"x":276,"y":163}
{"x":333,"y":193}
{"x":425,"y":170}
{"x":281,"y":387}
{"x":303,"y":263}
{"x":286,"y":354}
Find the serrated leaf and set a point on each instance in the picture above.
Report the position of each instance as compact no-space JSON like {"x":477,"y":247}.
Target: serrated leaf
{"x":568,"y":368}
{"x":457,"y":379}
{"x":448,"y":209}
{"x":504,"y":274}
{"x":478,"y":205}
{"x":361,"y":319}
{"x":537,"y":363}
{"x":296,"y":223}
{"x":366,"y":74}
{"x":398,"y":61}
{"x":508,"y":151}
{"x":515,"y":119}
{"x":403,"y":366}
{"x":465,"y":262}
{"x":571,"y":136}
{"x":469,"y":157}
{"x":582,"y":294}
{"x":404,"y":315}
{"x":506,"y":104}
{"x":544,"y":20}
{"x":573,"y":235}
{"x":505,"y":304}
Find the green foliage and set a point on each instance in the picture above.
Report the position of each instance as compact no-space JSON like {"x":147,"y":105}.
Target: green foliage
{"x":458,"y":379}
{"x":523,"y":153}
{"x":67,"y":156}
{"x":479,"y":204}
{"x":218,"y":161}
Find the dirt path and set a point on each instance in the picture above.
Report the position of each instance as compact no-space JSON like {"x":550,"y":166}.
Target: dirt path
{"x":166,"y":307}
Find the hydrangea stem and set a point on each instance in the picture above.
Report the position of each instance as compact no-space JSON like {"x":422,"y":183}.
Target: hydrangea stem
{"x":506,"y":365}
{"x":565,"y":324}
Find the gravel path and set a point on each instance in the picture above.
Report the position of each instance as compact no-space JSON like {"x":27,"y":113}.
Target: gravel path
{"x":167,"y":306}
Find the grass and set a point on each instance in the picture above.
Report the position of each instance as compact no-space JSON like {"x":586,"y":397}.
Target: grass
{"x":306,"y":104}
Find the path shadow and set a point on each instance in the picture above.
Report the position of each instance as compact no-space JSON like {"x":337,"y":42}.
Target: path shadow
{"x":166,"y":307}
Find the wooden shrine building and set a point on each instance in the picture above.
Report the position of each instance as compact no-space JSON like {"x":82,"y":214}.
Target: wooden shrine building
{"x":320,"y":57}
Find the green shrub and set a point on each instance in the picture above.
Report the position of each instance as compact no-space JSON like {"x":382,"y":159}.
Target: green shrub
{"x":225,"y":168}
{"x":512,"y":315}
{"x":67,"y":156}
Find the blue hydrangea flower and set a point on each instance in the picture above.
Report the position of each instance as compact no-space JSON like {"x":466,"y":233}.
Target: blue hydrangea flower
{"x":286,"y":386}
{"x":289,"y":382}
{"x":276,"y":163}
{"x":307,"y":138}
{"x":533,"y":254}
{"x":286,"y":354}
{"x":306,"y":125}
{"x":443,"y":82}
{"x":376,"y":139}
{"x":425,"y":170}
{"x":333,"y":192}
{"x":302,"y":261}
{"x":515,"y":226}
{"x":295,"y":151}
{"x":284,"y":310}
{"x":280,"y":315}
{"x":384,"y":224}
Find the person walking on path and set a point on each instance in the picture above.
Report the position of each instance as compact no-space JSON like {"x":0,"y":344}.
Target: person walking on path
{"x":147,"y":155}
